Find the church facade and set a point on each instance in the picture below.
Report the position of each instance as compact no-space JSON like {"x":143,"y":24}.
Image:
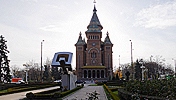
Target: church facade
{"x":94,"y":57}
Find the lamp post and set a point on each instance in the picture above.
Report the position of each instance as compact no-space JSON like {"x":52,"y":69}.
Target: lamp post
{"x":142,"y":67}
{"x":151,"y":58}
{"x":174,"y":64}
{"x":26,"y":71}
{"x":132,"y":60}
{"x":41,"y":61}
{"x":26,"y":76}
{"x":119,"y":62}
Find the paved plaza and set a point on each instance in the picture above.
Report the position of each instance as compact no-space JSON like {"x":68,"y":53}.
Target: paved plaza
{"x":82,"y":93}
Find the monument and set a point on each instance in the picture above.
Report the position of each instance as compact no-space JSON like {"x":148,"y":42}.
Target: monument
{"x":63,"y":60}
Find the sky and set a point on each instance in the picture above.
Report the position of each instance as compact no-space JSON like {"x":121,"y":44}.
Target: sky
{"x":150,"y":24}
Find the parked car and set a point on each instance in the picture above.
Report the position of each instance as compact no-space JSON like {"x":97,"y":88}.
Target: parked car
{"x":80,"y":82}
{"x":57,"y":81}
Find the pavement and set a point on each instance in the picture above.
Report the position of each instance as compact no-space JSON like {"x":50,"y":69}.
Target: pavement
{"x":82,"y":93}
{"x":21,"y":95}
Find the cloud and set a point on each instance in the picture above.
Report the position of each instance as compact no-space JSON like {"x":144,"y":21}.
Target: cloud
{"x":158,"y":16}
{"x":51,"y":28}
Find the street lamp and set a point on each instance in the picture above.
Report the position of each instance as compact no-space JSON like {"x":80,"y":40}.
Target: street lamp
{"x":41,"y":61}
{"x":151,"y":58}
{"x":132,"y":60}
{"x":26,"y":71}
{"x":142,"y":67}
{"x":175,"y":64}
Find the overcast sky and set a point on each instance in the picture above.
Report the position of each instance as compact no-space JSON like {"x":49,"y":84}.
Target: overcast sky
{"x":150,"y":24}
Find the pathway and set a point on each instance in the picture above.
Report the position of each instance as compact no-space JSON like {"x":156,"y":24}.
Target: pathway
{"x":82,"y":93}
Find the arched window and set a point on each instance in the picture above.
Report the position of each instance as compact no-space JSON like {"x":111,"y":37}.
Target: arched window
{"x":93,"y":55}
{"x":85,"y":74}
{"x":93,"y":73}
{"x":102,"y":73}
{"x":89,"y":74}
{"x":98,"y":74}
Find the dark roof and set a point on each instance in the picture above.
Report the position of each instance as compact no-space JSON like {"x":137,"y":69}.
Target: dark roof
{"x":94,"y":25}
{"x":80,"y":40}
{"x":107,"y":39}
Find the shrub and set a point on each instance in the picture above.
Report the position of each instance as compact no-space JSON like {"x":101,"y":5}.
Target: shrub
{"x":111,"y":93}
{"x":154,"y":88}
{"x":70,"y":91}
{"x":55,"y":95}
{"x":30,"y":95}
{"x":20,"y":88}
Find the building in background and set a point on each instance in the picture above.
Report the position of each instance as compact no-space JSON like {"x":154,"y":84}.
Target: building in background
{"x":94,"y":56}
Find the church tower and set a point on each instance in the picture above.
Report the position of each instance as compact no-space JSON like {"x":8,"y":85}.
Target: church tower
{"x":94,"y":56}
{"x":94,"y":36}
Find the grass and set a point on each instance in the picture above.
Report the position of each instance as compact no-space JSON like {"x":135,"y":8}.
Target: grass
{"x":93,"y":85}
{"x":115,"y":92}
{"x":110,"y":94}
{"x":3,"y":91}
{"x":17,"y":89}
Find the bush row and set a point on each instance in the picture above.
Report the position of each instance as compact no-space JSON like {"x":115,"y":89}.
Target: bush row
{"x":13,"y":85}
{"x":125,"y":95}
{"x":115,"y":83}
{"x":22,"y":89}
{"x":111,"y":93}
{"x":52,"y":96}
{"x":157,"y":89}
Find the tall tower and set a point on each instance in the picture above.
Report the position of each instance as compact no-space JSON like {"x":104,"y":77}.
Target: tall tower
{"x":94,"y":56}
{"x":94,"y":36}
{"x":108,"y":55}
{"x":80,"y":55}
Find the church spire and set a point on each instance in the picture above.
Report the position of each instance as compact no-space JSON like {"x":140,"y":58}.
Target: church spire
{"x":94,"y":25}
{"x":80,"y":40}
{"x":107,"y":39}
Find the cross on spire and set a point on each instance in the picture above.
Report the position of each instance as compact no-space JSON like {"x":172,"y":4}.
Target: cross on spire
{"x":107,"y":33}
{"x":94,"y":1}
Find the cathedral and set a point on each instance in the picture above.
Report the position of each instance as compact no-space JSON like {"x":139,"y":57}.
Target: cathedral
{"x":94,"y":57}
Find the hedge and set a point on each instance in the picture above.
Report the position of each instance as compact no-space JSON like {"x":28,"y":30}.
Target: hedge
{"x":115,"y":83}
{"x":52,"y":96}
{"x":111,"y":93}
{"x":155,"y":89}
{"x":22,"y":89}
{"x":125,"y":95}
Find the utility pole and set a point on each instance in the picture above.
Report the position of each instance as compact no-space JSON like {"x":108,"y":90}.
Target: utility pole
{"x":119,"y":61}
{"x":41,"y":62}
{"x":174,"y":64}
{"x":132,"y":60}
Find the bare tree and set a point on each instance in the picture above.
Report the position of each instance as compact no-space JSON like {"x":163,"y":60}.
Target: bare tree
{"x":157,"y":67}
{"x":15,"y":70}
{"x":48,"y":62}
{"x":33,"y":71}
